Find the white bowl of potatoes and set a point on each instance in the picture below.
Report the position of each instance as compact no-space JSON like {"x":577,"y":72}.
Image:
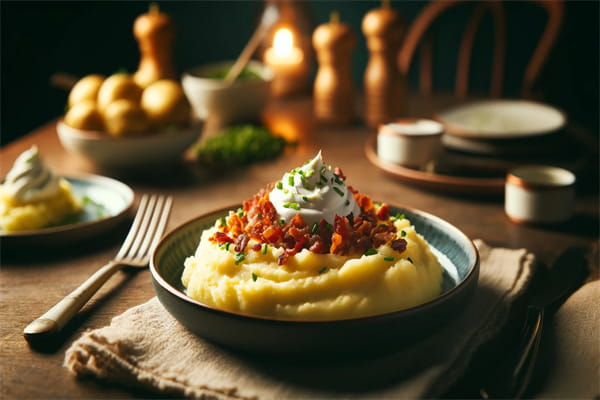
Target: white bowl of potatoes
{"x":116,"y":123}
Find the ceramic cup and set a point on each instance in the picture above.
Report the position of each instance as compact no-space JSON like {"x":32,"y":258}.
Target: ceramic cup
{"x":409,"y":142}
{"x":539,"y":194}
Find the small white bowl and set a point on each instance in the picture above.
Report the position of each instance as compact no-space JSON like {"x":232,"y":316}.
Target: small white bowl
{"x":243,"y":99}
{"x":409,"y":142}
{"x":539,"y":194}
{"x":129,"y":152}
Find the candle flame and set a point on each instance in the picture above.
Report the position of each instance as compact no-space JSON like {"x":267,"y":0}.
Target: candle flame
{"x":283,"y":42}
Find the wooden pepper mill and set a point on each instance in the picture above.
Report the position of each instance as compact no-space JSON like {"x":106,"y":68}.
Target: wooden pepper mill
{"x":154,"y":32}
{"x":333,"y":89}
{"x":383,"y":83}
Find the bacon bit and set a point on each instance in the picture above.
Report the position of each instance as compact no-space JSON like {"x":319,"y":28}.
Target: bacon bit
{"x":241,"y":242}
{"x":384,"y":212}
{"x":257,"y":247}
{"x":339,"y":173}
{"x":221,"y":237}
{"x":399,"y":245}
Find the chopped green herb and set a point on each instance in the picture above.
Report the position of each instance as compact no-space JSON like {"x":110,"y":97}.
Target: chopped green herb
{"x":222,"y":221}
{"x":338,"y":191}
{"x":279,"y":185}
{"x":254,"y":277}
{"x":264,"y":248}
{"x":240,"y":212}
{"x":282,"y":221}
{"x":377,"y":203}
{"x":328,"y":226}
{"x":310,"y":173}
{"x":347,"y":202}
{"x":323,"y":269}
{"x":295,"y":206}
{"x":239,"y":257}
{"x":388,"y":258}
{"x":338,"y":180}
{"x":370,"y":252}
{"x":304,"y":198}
{"x":291,"y":180}
{"x":227,"y":246}
{"x":402,"y":233}
{"x":314,"y":228}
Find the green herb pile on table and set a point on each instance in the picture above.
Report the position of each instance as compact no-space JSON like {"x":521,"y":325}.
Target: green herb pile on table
{"x":239,"y":145}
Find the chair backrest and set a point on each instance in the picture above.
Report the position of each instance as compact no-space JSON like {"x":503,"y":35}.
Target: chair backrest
{"x":419,"y":34}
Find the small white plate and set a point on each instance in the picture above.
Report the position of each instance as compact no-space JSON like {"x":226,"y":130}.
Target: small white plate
{"x":502,"y":119}
{"x":105,"y":203}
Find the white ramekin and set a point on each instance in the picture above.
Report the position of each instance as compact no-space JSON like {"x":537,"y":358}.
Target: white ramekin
{"x":539,"y":194}
{"x":409,"y":142}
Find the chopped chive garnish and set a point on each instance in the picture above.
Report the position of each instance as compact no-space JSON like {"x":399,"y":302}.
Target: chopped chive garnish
{"x":259,"y":216}
{"x":347,"y":202}
{"x":264,"y":248}
{"x":282,"y":221}
{"x":315,"y":226}
{"x":222,"y":221}
{"x":322,"y":270}
{"x":328,"y":226}
{"x":410,"y":260}
{"x":239,"y":257}
{"x":279,"y":185}
{"x":338,"y":191}
{"x":370,"y":252}
{"x":388,"y":258}
{"x":323,"y":179}
{"x":227,"y":246}
{"x":310,"y":173}
{"x":254,"y":277}
{"x":338,"y":180}
{"x":240,"y":212}
{"x":377,"y":203}
{"x":295,"y":206}
{"x":304,"y":198}
{"x":402,"y":233}
{"x":291,"y":180}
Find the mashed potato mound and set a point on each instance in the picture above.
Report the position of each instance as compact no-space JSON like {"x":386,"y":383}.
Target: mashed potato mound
{"x":310,"y":285}
{"x":16,"y":216}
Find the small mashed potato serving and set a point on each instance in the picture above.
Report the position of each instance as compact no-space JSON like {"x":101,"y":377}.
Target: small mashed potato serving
{"x":33,"y":197}
{"x":309,"y":247}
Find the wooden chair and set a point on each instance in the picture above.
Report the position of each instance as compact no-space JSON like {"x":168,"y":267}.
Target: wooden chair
{"x":419,"y":33}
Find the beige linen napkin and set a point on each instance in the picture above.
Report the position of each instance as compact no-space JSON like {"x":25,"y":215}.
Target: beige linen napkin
{"x":574,"y":335}
{"x":146,"y":347}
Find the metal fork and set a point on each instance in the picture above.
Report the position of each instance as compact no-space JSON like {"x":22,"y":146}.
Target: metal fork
{"x":147,"y":228}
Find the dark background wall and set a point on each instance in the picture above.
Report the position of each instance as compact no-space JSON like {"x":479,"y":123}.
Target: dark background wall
{"x":79,"y":38}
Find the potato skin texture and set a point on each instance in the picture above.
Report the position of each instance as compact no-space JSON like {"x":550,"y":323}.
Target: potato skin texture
{"x":84,"y":115}
{"x":125,"y":118}
{"x":116,"y":87}
{"x":86,"y":88}
{"x":165,"y":104}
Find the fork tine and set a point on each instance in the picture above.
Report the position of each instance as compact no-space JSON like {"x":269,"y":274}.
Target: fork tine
{"x":151,"y":230}
{"x":134,"y":227}
{"x":142,"y":229}
{"x":163,"y":222}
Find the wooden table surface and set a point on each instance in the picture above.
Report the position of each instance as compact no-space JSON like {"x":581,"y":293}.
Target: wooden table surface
{"x":33,"y":280}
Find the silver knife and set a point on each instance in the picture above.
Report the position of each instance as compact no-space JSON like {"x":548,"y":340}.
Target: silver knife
{"x":546,"y":294}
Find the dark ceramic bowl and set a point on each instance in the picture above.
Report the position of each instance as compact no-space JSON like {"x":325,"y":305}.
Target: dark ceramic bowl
{"x":300,"y":338}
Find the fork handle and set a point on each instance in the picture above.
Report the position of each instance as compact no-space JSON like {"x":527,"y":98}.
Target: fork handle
{"x":58,"y":316}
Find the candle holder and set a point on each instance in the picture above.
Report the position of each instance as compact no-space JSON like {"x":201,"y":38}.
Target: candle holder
{"x":287,"y":48}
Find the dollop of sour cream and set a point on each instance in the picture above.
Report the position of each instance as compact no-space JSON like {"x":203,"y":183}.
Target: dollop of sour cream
{"x":30,"y":179}
{"x":315,"y":192}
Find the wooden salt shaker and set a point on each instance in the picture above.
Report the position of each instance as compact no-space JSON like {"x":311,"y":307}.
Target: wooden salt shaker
{"x":383,"y":83}
{"x":334,"y":92}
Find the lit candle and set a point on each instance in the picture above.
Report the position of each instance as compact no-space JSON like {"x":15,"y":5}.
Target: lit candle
{"x":283,"y":52}
{"x":287,"y":61}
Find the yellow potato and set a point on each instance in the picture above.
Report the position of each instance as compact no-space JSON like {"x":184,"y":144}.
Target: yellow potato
{"x":165,"y":104}
{"x":84,"y":115}
{"x":125,"y":118}
{"x":85,"y":89}
{"x":116,"y":87}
